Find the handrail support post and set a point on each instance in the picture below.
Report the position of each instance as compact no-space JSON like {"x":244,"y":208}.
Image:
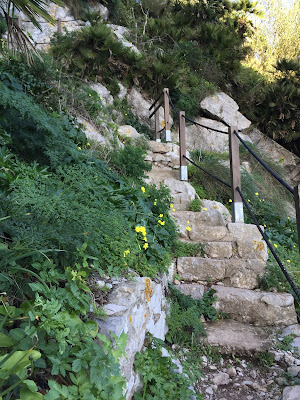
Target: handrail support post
{"x":235,"y":172}
{"x":157,"y":131}
{"x":182,"y":143}
{"x":297,"y":206}
{"x":167,"y":114}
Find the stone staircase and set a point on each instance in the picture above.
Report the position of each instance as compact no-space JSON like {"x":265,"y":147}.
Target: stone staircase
{"x":231,"y":258}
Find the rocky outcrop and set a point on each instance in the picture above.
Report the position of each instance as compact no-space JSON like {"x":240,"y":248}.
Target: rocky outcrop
{"x":222,"y":107}
{"x":274,"y":151}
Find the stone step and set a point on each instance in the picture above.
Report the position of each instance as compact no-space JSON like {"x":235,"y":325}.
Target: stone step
{"x":182,"y":192}
{"x":236,"y":272}
{"x":238,"y":338}
{"x":248,"y":306}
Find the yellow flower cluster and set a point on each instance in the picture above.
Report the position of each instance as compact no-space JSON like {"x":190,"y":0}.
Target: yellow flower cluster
{"x":142,"y":230}
{"x":126,"y":252}
{"x":161,"y":222}
{"x":172,"y":207}
{"x":155,"y":202}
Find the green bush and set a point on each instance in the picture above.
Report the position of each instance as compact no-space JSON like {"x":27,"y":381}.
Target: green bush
{"x":195,"y":205}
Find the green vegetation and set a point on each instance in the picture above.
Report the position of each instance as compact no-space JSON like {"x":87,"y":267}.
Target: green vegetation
{"x":66,"y":216}
{"x":160,"y":376}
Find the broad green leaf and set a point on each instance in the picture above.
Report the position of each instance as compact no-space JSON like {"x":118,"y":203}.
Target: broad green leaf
{"x":31,"y":385}
{"x":92,"y":327}
{"x":27,"y":394}
{"x":18,"y":361}
{"x":5,"y":341}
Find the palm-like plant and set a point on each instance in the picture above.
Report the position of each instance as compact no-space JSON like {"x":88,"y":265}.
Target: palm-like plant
{"x":17,"y":40}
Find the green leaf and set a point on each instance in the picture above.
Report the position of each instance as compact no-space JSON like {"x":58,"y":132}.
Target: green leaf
{"x":31,"y":385}
{"x":27,"y":394}
{"x":5,"y":341}
{"x":18,"y":361}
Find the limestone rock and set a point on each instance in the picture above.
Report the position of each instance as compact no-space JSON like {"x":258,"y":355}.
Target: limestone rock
{"x":291,"y":330}
{"x":200,"y":269}
{"x":123,"y":91}
{"x":91,"y":131}
{"x":194,"y":290}
{"x":255,"y":307}
{"x":209,"y":233}
{"x":135,"y":307}
{"x":224,"y":108}
{"x":221,"y":379}
{"x":121,"y":32}
{"x":243,"y":273}
{"x":291,"y":393}
{"x":103,"y":93}
{"x":218,"y":249}
{"x":274,"y":151}
{"x":232,"y":336}
{"x":140,"y":106}
{"x":128,"y":131}
{"x":181,"y":191}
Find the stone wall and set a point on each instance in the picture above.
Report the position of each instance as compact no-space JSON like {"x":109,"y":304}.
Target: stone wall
{"x":135,"y":307}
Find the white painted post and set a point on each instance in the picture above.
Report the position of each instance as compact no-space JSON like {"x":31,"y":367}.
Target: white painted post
{"x":237,"y":204}
{"x":182,"y":144}
{"x":167,"y":115}
{"x":157,"y":130}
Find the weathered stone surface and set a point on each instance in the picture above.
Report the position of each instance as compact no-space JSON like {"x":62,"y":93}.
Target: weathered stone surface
{"x":43,"y":37}
{"x":103,"y":93}
{"x":136,"y":307}
{"x":212,"y":215}
{"x":121,"y":32}
{"x":221,"y":378}
{"x":243,"y":232}
{"x":140,"y":106}
{"x":291,"y":393}
{"x":235,"y":337}
{"x":252,"y":249}
{"x":232,"y":272}
{"x":128,"y":131}
{"x":163,"y":148}
{"x":104,"y":13}
{"x":255,"y":307}
{"x":243,"y":273}
{"x":275,"y":152}
{"x":196,"y":291}
{"x":291,"y":330}
{"x":123,"y":91}
{"x":218,"y":249}
{"x":224,"y":108}
{"x":92,"y":132}
{"x":204,"y":233}
{"x":200,"y":269}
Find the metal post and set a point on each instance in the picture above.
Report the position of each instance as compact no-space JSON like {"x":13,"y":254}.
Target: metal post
{"x":59,"y":29}
{"x":19,"y":21}
{"x":297,"y":206}
{"x":182,"y":143}
{"x":167,"y":115}
{"x":157,"y":127}
{"x":235,"y":172}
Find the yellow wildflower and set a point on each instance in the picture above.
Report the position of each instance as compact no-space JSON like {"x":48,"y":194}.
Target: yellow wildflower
{"x":204,"y":209}
{"x":188,"y":228}
{"x":288,"y":260}
{"x":171,"y":205}
{"x":155,"y":203}
{"x":275,"y":245}
{"x":256,"y":194}
{"x":143,"y":189}
{"x":138,"y":229}
{"x":146,"y":246}
{"x":229,"y":201}
{"x":187,"y":221}
{"x":79,"y":148}
{"x":161,"y":215}
{"x":126,"y":252}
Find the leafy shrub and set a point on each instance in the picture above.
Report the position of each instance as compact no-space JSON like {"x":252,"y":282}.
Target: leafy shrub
{"x":160,"y":377}
{"x":129,"y":161}
{"x":184,"y":320}
{"x":195,"y":205}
